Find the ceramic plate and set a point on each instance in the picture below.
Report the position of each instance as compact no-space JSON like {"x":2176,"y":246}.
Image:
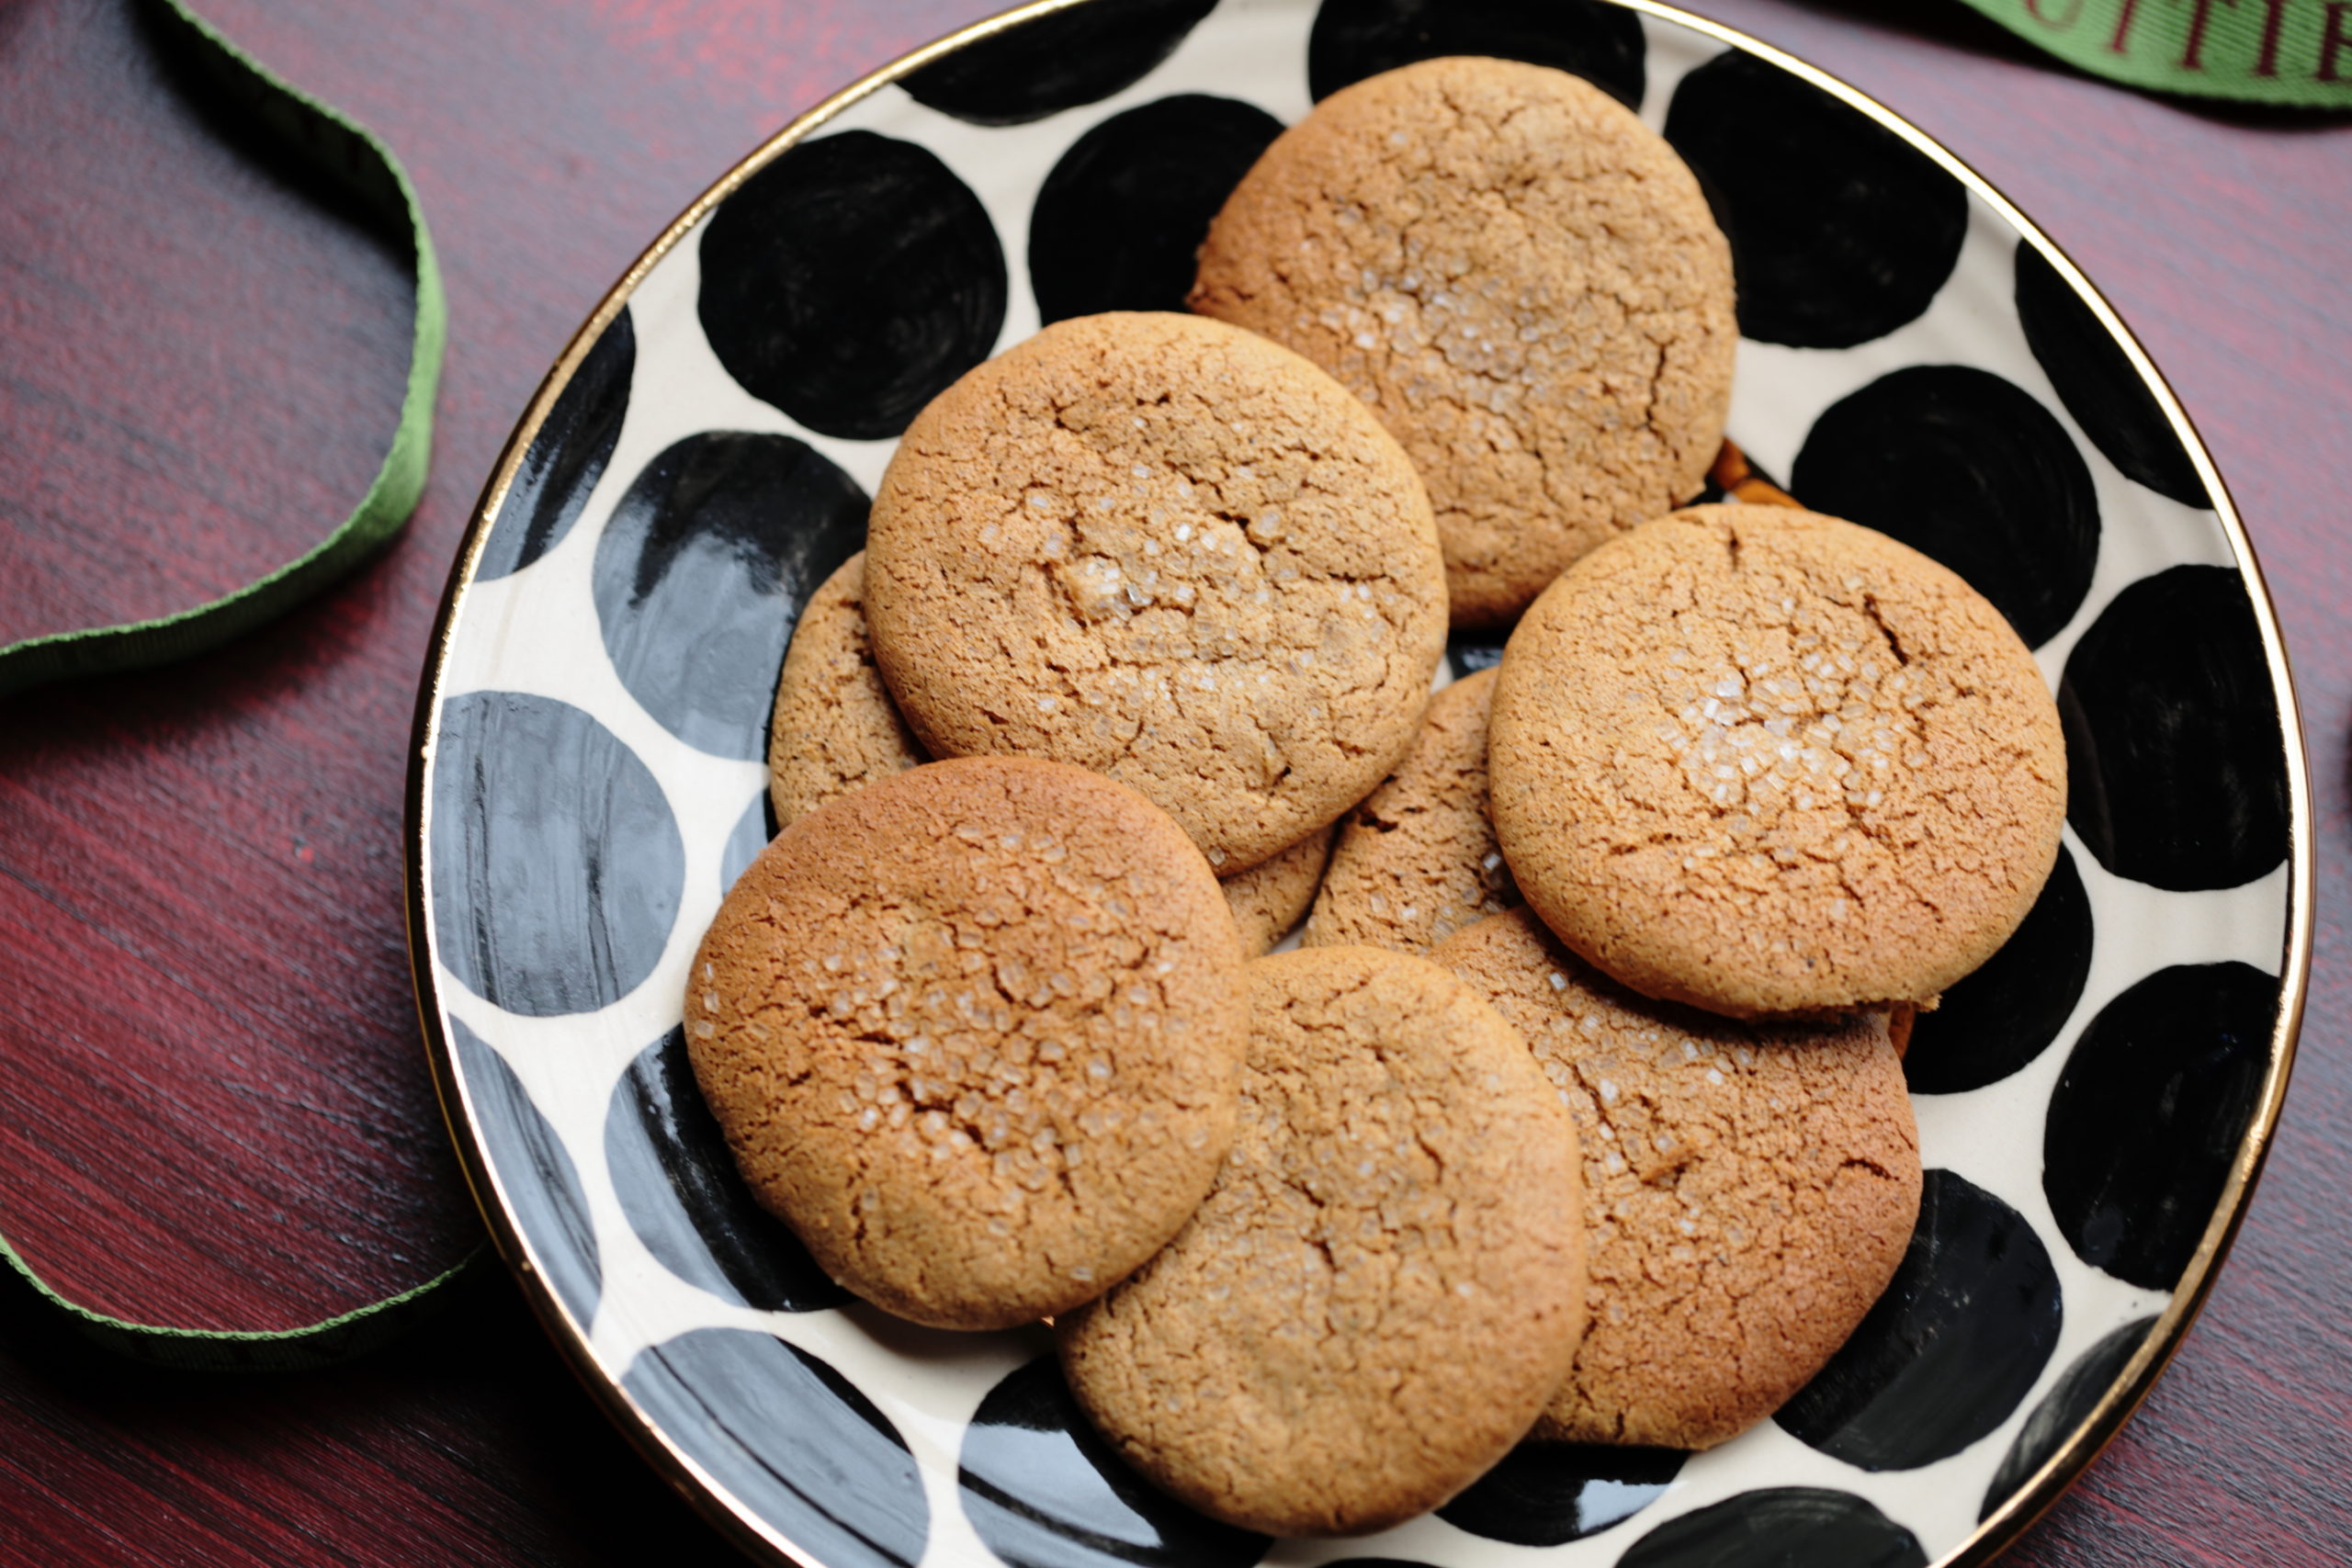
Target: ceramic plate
{"x":589,"y":778}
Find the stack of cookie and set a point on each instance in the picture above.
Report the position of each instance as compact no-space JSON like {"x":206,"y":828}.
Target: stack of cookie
{"x":1581,"y":1109}
{"x":1168,"y":600}
{"x":1766,"y":781}
{"x":1153,"y":545}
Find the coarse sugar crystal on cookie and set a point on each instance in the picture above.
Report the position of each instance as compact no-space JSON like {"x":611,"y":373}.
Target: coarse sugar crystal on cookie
{"x":834,"y":726}
{"x":1524,"y":282}
{"x":1388,"y":1280}
{"x":1418,"y":860}
{"x":1749,"y":1189}
{"x":1166,"y":550}
{"x":975,"y":1030}
{"x":1764,"y":761}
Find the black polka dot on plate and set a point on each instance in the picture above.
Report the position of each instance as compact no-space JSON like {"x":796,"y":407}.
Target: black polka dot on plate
{"x":1949,"y":1350}
{"x":1549,"y":1493}
{"x":850,"y":281}
{"x":557,"y":864}
{"x":703,"y":570}
{"x":1785,"y":1526}
{"x":2148,"y":1115}
{"x":684,"y":1196}
{"x":1044,"y":1490}
{"x":1059,"y":62}
{"x":793,"y":1440}
{"x":1968,"y":467}
{"x":2096,"y":382}
{"x":1840,"y":230}
{"x":1355,"y":38}
{"x":566,"y":457}
{"x":543,"y":1190}
{"x":1120,"y":219}
{"x":746,"y":840}
{"x":1466,"y":653}
{"x":2175,"y":771}
{"x":2007,"y":1013}
{"x":2064,"y":1409}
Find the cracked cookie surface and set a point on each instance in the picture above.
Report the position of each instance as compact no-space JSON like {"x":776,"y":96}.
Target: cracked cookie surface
{"x":1767,"y":761}
{"x":1749,"y":1190}
{"x":1418,"y":860}
{"x":975,"y":1032}
{"x":1386,"y":1284}
{"x":1520,"y":278}
{"x":1268,"y":897}
{"x":834,"y":727}
{"x":1163,"y":549}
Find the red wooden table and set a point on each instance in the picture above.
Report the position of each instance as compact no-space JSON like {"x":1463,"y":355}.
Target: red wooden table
{"x":217,"y":1109}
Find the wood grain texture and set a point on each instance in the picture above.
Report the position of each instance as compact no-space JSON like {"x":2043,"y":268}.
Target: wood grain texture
{"x":218,"y":1110}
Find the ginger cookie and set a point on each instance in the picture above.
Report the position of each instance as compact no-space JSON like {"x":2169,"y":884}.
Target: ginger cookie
{"x":975,"y":1030}
{"x":1163,"y":549}
{"x":1268,"y":897}
{"x":1749,"y":1190}
{"x":1767,"y":761}
{"x":1524,"y":282}
{"x":835,"y":727}
{"x":1385,"y":1285}
{"x":1418,"y":860}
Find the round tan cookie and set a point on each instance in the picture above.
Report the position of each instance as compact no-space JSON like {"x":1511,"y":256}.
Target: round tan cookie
{"x":1160,"y":547}
{"x":1765,"y":761}
{"x":1268,"y":898}
{"x":975,"y":1030}
{"x":1749,"y":1190}
{"x":1524,"y":281}
{"x":1387,"y":1281}
{"x":1418,"y":860}
{"x":835,"y":727}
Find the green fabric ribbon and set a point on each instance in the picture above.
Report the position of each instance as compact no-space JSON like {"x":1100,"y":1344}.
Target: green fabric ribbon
{"x":2292,"y":53}
{"x":322,"y":1344}
{"x":350,"y":155}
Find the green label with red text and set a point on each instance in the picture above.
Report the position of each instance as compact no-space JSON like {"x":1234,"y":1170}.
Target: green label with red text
{"x":2295,"y":53}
